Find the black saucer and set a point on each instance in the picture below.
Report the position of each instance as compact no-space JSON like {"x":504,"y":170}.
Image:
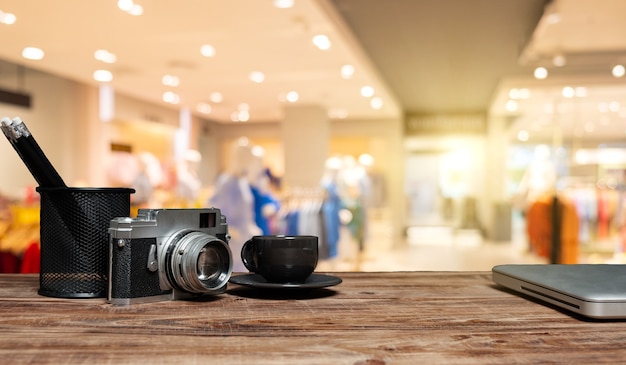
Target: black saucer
{"x":314,"y":281}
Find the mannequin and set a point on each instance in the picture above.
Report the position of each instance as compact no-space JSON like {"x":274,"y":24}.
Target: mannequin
{"x":188,"y":183}
{"x":144,"y":187}
{"x":355,"y":193}
{"x":332,"y":205}
{"x":234,"y":198}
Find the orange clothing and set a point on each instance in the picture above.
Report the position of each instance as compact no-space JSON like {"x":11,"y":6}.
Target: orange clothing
{"x":539,"y":228}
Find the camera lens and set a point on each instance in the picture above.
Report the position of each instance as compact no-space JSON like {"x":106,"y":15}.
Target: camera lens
{"x":209,"y":263}
{"x":200,"y":263}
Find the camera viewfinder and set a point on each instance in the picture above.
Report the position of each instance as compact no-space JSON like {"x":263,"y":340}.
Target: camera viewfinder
{"x":207,"y":220}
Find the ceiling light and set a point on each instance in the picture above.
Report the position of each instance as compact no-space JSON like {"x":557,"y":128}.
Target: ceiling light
{"x":553,"y":18}
{"x":292,"y":96}
{"x":618,"y":71}
{"x":580,"y":91}
{"x":104,"y":56}
{"x":257,"y":151}
{"x":541,"y":73}
{"x":257,"y":77}
{"x":170,"y":80}
{"x":366,"y":159}
{"x":204,"y":108}
{"x":367,"y":91}
{"x":603,"y":107}
{"x":7,"y":18}
{"x":516,"y":94}
{"x":103,"y":75}
{"x":523,"y":136}
{"x":614,"y":106}
{"x":559,"y":60}
{"x":585,"y":156}
{"x":171,"y":97}
{"x":322,"y":42}
{"x":136,"y":10}
{"x":130,"y":7}
{"x":511,"y":106}
{"x":376,"y":103}
{"x":243,"y":115}
{"x":524,"y":93}
{"x":568,"y":92}
{"x":240,"y":116}
{"x":207,"y":50}
{"x":283,"y":4}
{"x":347,"y":71}
{"x":32,"y":53}
{"x":125,"y":5}
{"x":216,"y":97}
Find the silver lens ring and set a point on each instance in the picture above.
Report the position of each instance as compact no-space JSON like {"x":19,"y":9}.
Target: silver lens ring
{"x":201,"y":263}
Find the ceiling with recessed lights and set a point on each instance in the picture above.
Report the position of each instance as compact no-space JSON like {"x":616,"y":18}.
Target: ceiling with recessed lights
{"x":246,"y":60}
{"x":236,"y":60}
{"x":457,"y":56}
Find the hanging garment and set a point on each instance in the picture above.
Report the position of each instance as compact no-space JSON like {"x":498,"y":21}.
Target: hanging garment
{"x":31,"y":259}
{"x":330,"y":207}
{"x":260,"y":201}
{"x":539,"y":226}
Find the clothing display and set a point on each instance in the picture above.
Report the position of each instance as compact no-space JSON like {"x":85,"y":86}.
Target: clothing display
{"x":261,"y":201}
{"x":552,"y":227}
{"x":19,"y":240}
{"x":312,"y":213}
{"x":330,"y":207}
{"x":233,"y":197}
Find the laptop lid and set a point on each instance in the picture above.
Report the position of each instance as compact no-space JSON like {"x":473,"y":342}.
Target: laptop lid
{"x":596,"y":291}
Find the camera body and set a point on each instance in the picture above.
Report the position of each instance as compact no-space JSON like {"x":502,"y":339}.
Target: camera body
{"x":167,"y":254}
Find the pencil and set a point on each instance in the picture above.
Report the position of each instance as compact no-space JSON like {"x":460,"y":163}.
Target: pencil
{"x":31,"y":154}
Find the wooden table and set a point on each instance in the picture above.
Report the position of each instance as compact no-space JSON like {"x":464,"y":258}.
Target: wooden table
{"x":371,"y":318}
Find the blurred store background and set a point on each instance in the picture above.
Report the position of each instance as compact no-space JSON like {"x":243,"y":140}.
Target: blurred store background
{"x":407,"y":135}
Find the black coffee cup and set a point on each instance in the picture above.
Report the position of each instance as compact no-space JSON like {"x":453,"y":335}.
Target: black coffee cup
{"x":281,"y":259}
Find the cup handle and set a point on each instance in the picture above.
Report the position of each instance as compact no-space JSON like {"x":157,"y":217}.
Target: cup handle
{"x":247,"y":255}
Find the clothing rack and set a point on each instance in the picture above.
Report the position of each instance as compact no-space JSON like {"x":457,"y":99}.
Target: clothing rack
{"x":304,"y":211}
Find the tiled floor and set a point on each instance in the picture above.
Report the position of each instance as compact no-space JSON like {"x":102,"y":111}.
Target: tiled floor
{"x":459,"y":251}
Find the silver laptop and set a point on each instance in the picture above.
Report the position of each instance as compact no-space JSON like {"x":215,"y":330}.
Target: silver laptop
{"x":596,"y":291}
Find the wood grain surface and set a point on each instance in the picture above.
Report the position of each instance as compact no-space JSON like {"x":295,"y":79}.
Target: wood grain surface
{"x":371,"y":318}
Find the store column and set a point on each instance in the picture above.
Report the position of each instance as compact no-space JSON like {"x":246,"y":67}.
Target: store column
{"x":305,"y":135}
{"x":499,"y":211}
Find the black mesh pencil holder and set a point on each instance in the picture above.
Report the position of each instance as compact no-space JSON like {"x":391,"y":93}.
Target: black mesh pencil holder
{"x":74,"y":234}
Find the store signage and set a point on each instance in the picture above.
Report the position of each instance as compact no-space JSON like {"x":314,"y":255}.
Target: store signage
{"x":440,"y":124}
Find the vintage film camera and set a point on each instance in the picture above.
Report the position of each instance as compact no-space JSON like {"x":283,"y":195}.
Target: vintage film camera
{"x":167,"y":254}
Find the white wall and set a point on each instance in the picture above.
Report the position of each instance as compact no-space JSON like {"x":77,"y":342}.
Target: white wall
{"x":55,"y":119}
